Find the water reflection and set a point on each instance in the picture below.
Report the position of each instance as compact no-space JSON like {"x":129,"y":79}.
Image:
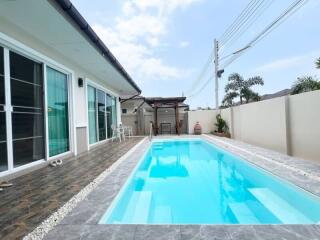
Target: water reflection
{"x":169,"y":165}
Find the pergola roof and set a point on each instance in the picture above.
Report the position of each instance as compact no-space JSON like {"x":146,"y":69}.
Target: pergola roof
{"x":165,"y":102}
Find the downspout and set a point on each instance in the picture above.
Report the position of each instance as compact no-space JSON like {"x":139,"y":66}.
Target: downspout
{"x":124,"y":100}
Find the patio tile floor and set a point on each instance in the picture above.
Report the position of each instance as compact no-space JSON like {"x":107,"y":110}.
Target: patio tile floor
{"x":35,"y":196}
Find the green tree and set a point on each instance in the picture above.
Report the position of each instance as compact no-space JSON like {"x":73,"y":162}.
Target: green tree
{"x":238,"y":87}
{"x":228,"y":99}
{"x":318,"y":63}
{"x":305,"y":84}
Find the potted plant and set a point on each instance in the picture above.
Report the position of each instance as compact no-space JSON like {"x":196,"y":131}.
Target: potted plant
{"x":222,"y":127}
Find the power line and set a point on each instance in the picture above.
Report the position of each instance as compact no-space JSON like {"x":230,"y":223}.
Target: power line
{"x":202,"y":88}
{"x":240,"y":24}
{"x":248,"y":24}
{"x":277,"y":22}
{"x":201,"y":75}
{"x":236,"y":21}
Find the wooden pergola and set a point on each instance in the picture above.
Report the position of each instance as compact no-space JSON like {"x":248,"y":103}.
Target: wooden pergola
{"x":170,"y":102}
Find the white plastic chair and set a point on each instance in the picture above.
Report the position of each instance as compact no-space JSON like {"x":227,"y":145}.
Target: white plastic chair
{"x":128,"y":130}
{"x":117,"y":132}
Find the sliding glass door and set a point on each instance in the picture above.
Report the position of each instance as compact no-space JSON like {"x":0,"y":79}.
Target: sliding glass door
{"x":92,"y":115}
{"x":22,"y":111}
{"x":111,"y":114}
{"x":3,"y":128}
{"x":101,"y":114}
{"x":58,"y":108}
{"x":26,"y":81}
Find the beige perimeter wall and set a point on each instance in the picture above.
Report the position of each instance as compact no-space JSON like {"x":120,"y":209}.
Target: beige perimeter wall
{"x":289,"y":125}
{"x":205,"y":117}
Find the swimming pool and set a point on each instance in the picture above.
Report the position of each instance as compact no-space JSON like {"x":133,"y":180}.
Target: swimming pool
{"x":194,"y":182}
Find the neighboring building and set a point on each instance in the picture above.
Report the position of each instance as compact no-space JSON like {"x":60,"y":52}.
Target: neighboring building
{"x":59,"y":84}
{"x":281,"y":93}
{"x":139,"y":111}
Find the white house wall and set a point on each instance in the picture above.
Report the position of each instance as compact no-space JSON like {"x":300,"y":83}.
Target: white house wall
{"x":21,"y":42}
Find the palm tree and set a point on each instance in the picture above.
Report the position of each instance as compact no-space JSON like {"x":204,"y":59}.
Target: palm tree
{"x":305,"y":84}
{"x":228,"y":99}
{"x":237,"y":86}
{"x":318,"y":63}
{"x":248,"y":95}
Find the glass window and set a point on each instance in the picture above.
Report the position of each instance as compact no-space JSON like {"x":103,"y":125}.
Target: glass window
{"x":3,"y":142}
{"x":92,"y":114}
{"x":2,"y":98}
{"x":58,"y":108}
{"x":111,"y":114}
{"x":24,"y":69}
{"x":27,"y":116}
{"x":124,"y":110}
{"x":27,"y":124}
{"x":1,"y":61}
{"x":102,"y":115}
{"x":3,"y":135}
{"x":25,"y":94}
{"x":27,"y":150}
{"x":114,"y":110}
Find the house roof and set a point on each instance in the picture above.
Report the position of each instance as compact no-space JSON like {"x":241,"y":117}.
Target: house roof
{"x":83,"y":26}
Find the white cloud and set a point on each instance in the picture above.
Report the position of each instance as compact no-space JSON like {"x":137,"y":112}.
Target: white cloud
{"x":141,"y":25}
{"x":280,"y":64}
{"x":165,"y":6}
{"x":137,"y":58}
{"x":153,"y":41}
{"x":137,"y":34}
{"x":128,"y":8}
{"x":287,"y":63}
{"x":184,"y":44}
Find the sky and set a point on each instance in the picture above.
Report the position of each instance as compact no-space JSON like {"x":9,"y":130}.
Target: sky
{"x":165,"y":44}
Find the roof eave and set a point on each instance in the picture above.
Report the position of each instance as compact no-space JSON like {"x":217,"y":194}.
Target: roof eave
{"x":83,"y":25}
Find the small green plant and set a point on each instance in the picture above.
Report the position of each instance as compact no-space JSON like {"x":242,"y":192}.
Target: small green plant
{"x":221,"y":124}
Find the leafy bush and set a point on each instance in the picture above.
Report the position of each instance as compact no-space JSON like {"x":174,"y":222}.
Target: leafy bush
{"x":221,"y":124}
{"x":305,"y":84}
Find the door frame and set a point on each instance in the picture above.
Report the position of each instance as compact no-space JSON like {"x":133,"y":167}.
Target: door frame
{"x":70,"y":110}
{"x":89,"y":82}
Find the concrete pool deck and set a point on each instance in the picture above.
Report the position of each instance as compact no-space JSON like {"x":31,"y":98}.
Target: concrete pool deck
{"x":82,"y":221}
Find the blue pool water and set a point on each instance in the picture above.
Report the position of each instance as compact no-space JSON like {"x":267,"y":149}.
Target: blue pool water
{"x":194,"y":182}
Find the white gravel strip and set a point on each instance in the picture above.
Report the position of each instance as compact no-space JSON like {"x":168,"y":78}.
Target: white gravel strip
{"x":299,"y":171}
{"x":48,"y":224}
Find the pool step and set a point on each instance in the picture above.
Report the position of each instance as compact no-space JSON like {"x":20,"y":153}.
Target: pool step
{"x":142,"y":207}
{"x":163,"y":215}
{"x":278,"y":206}
{"x":242,"y":213}
{"x":158,"y":146}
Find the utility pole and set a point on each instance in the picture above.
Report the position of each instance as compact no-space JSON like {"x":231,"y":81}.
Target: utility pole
{"x":216,"y":69}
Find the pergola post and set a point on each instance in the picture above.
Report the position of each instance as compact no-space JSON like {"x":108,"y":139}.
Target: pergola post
{"x":177,"y":118}
{"x":155,"y":120}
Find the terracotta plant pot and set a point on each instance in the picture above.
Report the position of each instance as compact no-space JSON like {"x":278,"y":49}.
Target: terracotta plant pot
{"x":222,"y":134}
{"x":197,"y":129}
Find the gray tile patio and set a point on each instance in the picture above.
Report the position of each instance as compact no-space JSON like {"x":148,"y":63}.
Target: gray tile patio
{"x":35,"y":196}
